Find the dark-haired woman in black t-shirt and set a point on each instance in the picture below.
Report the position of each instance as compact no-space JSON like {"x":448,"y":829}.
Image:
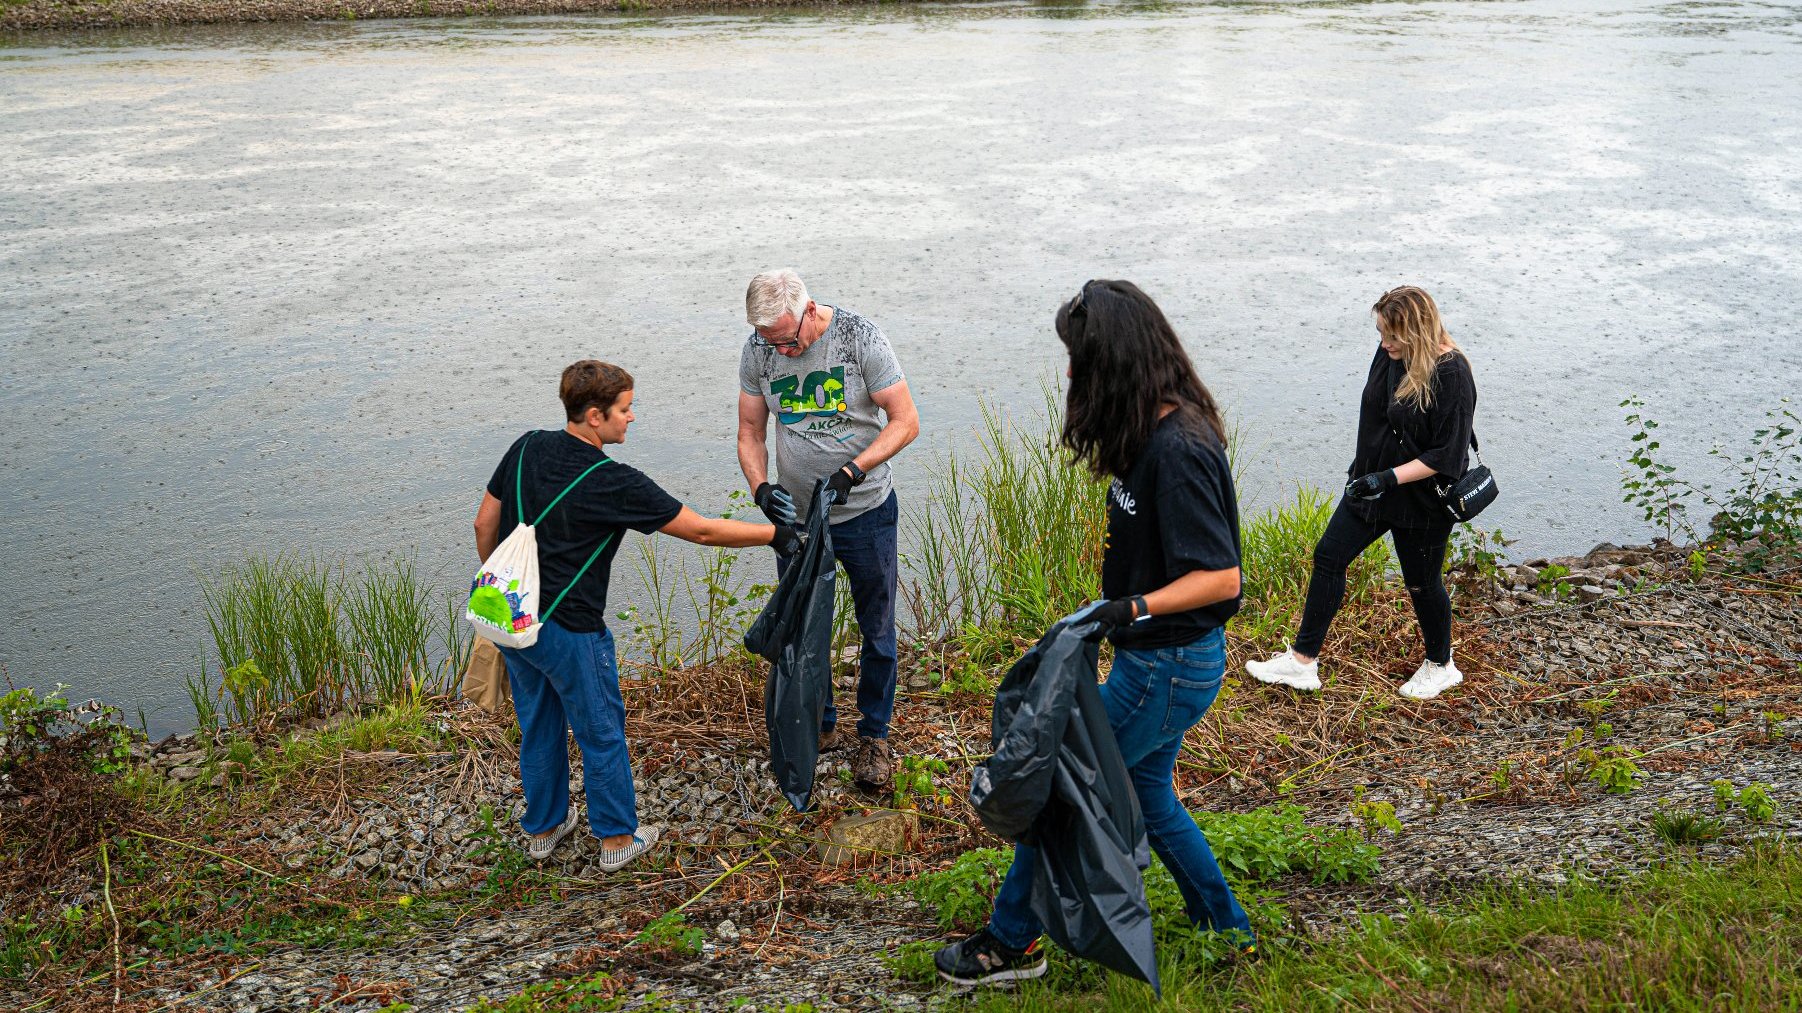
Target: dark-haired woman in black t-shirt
{"x":1420,"y":387}
{"x":1170,"y":573}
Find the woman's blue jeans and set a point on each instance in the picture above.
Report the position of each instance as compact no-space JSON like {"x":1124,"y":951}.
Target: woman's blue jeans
{"x":568,"y":682}
{"x":1152,"y":698}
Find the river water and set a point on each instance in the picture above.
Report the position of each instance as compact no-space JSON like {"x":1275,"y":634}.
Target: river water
{"x":297,"y":286}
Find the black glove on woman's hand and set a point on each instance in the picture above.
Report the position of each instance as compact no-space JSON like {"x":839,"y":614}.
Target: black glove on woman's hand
{"x":776,"y":503}
{"x":1112,"y":614}
{"x":1371,"y":486}
{"x":787,"y":540}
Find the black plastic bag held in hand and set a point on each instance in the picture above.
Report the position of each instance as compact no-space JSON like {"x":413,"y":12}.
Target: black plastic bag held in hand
{"x":794,"y":632}
{"x":1057,"y":782}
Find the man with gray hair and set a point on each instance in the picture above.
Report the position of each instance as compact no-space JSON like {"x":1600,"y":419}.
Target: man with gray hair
{"x":842,"y":409}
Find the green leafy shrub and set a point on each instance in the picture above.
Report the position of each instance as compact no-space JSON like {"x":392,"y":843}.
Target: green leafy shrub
{"x":32,"y":724}
{"x":1275,"y":841}
{"x":916,"y":779}
{"x":1613,"y":768}
{"x":1373,"y":816}
{"x":671,"y":934}
{"x":1757,"y":505}
{"x":963,"y":892}
{"x":1754,"y":799}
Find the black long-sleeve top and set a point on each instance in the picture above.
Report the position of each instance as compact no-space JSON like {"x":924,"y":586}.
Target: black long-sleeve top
{"x":1441,"y":435}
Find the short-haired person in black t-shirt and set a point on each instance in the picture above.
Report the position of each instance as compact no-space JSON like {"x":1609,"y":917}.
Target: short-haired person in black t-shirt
{"x":1138,"y":412}
{"x":568,"y":681}
{"x":1420,"y":386}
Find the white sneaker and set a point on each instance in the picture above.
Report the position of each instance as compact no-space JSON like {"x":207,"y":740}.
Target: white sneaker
{"x":1430,"y":680}
{"x":1284,"y":670}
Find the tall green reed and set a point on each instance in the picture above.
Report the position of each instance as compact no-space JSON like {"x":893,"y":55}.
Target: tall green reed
{"x":1009,"y":543}
{"x":391,"y":623}
{"x":301,"y":636}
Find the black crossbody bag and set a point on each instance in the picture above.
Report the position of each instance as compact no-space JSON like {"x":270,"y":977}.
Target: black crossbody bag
{"x":1466,"y":496}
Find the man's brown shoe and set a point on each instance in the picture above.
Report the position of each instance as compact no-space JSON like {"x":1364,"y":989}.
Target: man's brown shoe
{"x":873,"y":768}
{"x":837,"y":739}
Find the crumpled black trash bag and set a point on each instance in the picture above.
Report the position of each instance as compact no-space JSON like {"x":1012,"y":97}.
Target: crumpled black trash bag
{"x":794,"y":632}
{"x":1057,"y":782}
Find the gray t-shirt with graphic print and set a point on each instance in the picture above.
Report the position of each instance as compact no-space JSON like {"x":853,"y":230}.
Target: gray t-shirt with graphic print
{"x":821,"y":402}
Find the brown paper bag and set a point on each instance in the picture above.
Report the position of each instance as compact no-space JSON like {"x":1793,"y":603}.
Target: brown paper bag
{"x":485,"y":680}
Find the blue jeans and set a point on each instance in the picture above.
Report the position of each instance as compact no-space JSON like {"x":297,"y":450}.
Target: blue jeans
{"x":1152,"y":698}
{"x":865,"y":546}
{"x":568,"y":682}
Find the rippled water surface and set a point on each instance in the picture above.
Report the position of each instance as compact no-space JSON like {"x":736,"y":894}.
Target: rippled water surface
{"x":298,"y":286}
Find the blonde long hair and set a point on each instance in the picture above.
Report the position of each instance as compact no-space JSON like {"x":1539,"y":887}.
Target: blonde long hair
{"x":1409,"y":316}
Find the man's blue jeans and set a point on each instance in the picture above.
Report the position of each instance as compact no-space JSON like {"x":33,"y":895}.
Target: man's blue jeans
{"x":568,"y":682}
{"x":865,"y":546}
{"x":1152,"y":698}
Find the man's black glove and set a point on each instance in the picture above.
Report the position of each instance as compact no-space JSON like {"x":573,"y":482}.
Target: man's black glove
{"x":787,"y":541}
{"x":776,"y":504}
{"x":1117,"y":612}
{"x":1371,"y":486}
{"x":838,"y":487}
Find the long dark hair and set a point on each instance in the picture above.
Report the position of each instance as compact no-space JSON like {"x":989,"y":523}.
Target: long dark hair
{"x":1126,"y":364}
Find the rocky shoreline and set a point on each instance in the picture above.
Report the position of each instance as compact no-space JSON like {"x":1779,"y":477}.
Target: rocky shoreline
{"x":37,"y":15}
{"x":1666,"y":656}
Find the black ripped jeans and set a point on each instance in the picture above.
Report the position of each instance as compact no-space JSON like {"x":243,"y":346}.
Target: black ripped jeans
{"x":1421,"y":552}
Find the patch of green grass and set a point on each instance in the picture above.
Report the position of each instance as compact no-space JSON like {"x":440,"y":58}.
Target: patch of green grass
{"x":1253,"y":846}
{"x":403,"y":727}
{"x":1684,"y":936}
{"x":1685,"y":826}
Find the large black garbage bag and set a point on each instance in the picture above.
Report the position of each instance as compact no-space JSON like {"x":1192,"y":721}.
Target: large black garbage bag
{"x":794,"y":632}
{"x":1057,"y":782}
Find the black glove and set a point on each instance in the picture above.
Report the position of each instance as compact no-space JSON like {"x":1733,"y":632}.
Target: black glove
{"x":838,"y":487}
{"x":1117,"y":612}
{"x":776,"y":504}
{"x":1371,"y":486}
{"x":787,"y":541}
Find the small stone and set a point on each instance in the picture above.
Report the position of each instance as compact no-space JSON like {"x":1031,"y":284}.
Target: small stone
{"x":184,"y":773}
{"x":727,"y":931}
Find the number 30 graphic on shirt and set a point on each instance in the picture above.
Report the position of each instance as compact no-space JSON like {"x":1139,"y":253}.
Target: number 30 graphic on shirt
{"x":820,"y":393}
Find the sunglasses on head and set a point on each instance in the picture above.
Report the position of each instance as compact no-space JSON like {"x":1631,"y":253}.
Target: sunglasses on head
{"x":1080,"y":304}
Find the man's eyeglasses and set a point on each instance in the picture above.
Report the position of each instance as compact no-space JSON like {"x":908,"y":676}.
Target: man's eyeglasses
{"x":794,"y":342}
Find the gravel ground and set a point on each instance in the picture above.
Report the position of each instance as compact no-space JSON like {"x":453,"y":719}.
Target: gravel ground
{"x":1686,"y":675}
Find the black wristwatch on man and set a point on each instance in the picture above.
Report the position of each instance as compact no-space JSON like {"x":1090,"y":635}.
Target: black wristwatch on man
{"x":839,"y":486}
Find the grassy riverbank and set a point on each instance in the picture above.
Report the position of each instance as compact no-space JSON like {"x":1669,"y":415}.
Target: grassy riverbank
{"x":1614,"y":780}
{"x":1685,"y":935}
{"x":37,"y":15}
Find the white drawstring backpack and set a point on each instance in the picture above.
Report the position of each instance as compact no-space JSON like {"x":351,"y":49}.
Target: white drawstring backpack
{"x":503,"y":599}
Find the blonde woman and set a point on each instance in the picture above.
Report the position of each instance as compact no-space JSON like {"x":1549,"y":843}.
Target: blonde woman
{"x":1414,"y":430}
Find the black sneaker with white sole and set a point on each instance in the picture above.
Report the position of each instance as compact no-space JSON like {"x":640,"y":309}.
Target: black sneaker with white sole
{"x":981,"y":959}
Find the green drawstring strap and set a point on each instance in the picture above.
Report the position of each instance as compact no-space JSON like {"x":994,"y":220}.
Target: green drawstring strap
{"x":520,"y":503}
{"x":546,"y":614}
